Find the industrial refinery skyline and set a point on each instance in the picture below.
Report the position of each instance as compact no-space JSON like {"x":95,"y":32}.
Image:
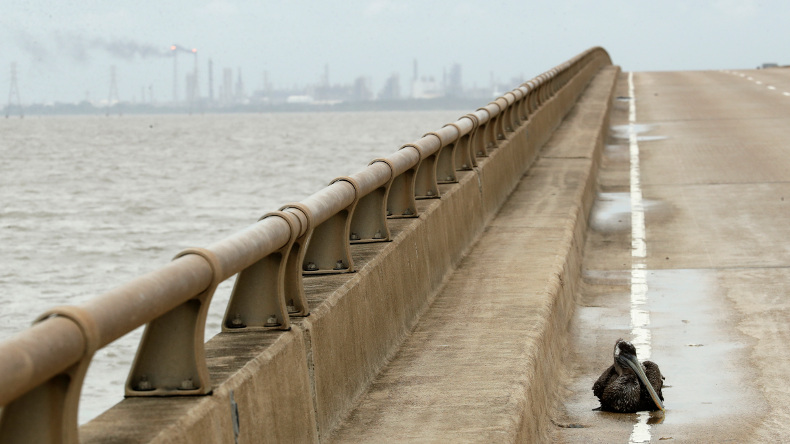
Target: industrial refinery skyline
{"x":64,"y":51}
{"x":191,"y":77}
{"x":198,"y":86}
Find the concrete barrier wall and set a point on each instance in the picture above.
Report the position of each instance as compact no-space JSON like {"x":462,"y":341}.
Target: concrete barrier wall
{"x":265,"y":375}
{"x":354,"y":334}
{"x":482,"y":363}
{"x":297,"y":386}
{"x":557,"y":309}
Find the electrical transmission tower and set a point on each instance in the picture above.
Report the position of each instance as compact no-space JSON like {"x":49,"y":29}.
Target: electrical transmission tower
{"x":13,"y":95}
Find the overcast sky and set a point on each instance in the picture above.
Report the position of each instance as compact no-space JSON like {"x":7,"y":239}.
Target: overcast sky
{"x":64,"y":48}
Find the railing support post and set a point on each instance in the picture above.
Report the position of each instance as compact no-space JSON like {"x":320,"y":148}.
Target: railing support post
{"x":369,"y":222}
{"x":171,"y":359}
{"x":294,"y":265}
{"x":467,"y":156}
{"x":425,"y":186}
{"x":479,"y":142}
{"x":489,"y":129}
{"x":258,"y":300}
{"x":48,"y":413}
{"x":400,"y":198}
{"x":445,"y":159}
{"x":328,"y":251}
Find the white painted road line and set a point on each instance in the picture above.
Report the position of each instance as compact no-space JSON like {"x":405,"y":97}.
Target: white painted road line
{"x":640,"y":317}
{"x":771,"y":87}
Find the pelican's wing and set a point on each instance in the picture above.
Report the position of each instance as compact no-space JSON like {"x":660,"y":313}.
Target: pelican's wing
{"x":603,"y":380}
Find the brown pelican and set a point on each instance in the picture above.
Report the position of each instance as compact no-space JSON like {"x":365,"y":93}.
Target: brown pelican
{"x":626,"y":386}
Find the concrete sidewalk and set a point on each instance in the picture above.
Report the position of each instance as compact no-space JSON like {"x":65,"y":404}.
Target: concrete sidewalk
{"x":482,"y":363}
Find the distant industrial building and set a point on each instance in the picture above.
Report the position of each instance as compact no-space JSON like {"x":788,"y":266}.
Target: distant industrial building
{"x":391,"y":90}
{"x":453,"y":87}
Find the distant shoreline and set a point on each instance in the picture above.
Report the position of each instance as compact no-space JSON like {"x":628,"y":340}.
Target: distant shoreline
{"x":87,"y":108}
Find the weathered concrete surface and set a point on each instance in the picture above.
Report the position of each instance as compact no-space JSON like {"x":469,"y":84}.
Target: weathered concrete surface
{"x":481,"y":364}
{"x":265,"y":372}
{"x":297,"y":386}
{"x":714,"y":173}
{"x":358,"y":323}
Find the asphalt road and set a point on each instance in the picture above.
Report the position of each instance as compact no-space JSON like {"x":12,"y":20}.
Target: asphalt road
{"x":702,"y":284}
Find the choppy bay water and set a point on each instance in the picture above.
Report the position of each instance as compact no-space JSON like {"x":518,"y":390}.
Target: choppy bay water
{"x":90,"y":202}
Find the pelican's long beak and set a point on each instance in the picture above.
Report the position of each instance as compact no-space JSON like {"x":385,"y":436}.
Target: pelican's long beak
{"x":634,"y":364}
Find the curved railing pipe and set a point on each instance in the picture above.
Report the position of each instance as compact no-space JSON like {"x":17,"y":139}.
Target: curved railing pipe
{"x":42,"y":368}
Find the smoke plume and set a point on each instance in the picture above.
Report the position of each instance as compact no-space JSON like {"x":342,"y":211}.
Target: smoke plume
{"x":30,"y":44}
{"x":127,"y":49}
{"x":80,"y":48}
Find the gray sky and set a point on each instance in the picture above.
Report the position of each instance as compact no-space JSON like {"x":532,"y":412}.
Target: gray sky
{"x":64,"y":48}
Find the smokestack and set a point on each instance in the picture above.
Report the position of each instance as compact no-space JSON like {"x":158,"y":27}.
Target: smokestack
{"x":239,"y":88}
{"x":174,"y":50}
{"x":196,"y":85}
{"x":210,"y":81}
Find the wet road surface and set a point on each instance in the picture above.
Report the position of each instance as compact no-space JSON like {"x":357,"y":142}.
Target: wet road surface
{"x":707,"y":297}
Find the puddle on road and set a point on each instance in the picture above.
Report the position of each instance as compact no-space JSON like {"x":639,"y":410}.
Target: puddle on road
{"x":650,"y":138}
{"x":624,"y":132}
{"x":611,"y":212}
{"x":700,"y":356}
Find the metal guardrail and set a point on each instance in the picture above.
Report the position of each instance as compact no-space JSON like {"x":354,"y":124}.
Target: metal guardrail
{"x":42,"y":368}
